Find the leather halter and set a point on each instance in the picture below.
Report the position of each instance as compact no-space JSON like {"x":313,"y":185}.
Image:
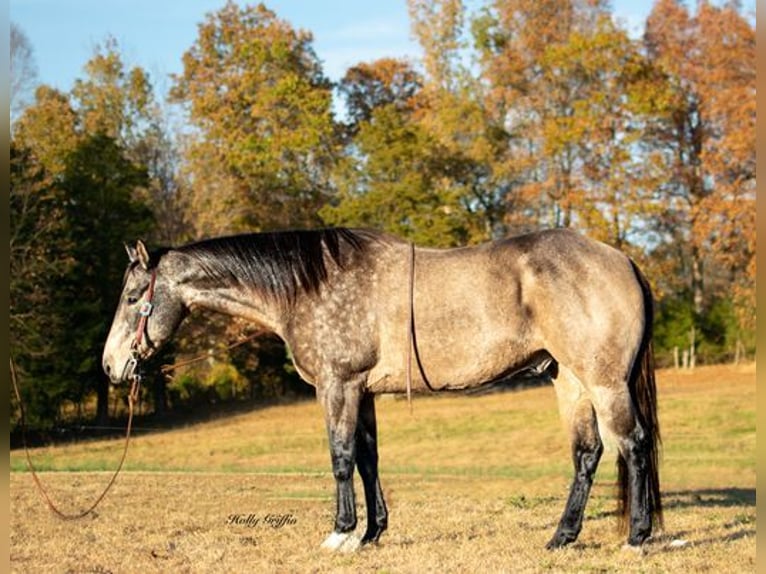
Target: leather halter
{"x":144,"y":311}
{"x":146,"y":308}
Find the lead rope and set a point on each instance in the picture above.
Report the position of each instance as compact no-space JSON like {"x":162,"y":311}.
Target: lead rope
{"x":165,"y":369}
{"x":132,"y":397}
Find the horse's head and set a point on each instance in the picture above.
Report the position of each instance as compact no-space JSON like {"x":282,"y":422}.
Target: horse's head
{"x":148,"y":313}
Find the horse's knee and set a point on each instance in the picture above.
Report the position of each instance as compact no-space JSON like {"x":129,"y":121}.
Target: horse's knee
{"x":586,"y":458}
{"x":635,"y":448}
{"x":343,"y":470}
{"x":587,"y":446}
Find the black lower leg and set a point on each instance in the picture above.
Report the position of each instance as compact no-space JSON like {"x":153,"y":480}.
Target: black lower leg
{"x":586,"y":456}
{"x":636,"y":458}
{"x":343,"y":453}
{"x":367,"y":463}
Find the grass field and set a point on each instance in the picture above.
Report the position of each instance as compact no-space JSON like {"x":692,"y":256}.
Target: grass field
{"x":471,"y":483}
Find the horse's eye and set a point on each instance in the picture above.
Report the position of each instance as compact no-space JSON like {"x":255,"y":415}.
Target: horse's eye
{"x":132,"y":300}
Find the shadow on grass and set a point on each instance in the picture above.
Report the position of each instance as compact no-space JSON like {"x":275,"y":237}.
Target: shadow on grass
{"x":677,"y":541}
{"x":709,"y":497}
{"x":700,"y":498}
{"x":144,"y":424}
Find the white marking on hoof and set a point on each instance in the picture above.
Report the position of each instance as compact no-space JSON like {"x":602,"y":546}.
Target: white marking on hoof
{"x":334,"y":541}
{"x":342,"y":542}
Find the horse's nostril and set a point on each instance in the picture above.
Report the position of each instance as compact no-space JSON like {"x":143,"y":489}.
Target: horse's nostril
{"x":107,"y":368}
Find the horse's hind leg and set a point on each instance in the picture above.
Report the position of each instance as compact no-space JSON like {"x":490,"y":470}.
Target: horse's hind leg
{"x":634,"y":464}
{"x":633,"y":478}
{"x":587,"y":447}
{"x":367,"y":465}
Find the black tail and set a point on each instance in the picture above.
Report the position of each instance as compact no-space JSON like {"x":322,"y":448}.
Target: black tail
{"x":643,"y":391}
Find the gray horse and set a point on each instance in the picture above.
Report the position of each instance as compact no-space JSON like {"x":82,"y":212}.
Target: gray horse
{"x":355,"y":306}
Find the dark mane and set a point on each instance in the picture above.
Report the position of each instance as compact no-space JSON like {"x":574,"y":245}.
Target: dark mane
{"x":279,"y":264}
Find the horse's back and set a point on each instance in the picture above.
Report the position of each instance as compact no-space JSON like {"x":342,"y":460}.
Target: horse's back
{"x":481,"y":312}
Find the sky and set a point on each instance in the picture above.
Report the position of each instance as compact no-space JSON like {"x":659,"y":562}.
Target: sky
{"x":154,"y":34}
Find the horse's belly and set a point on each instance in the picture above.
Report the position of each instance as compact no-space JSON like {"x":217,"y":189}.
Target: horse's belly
{"x":451,"y":365}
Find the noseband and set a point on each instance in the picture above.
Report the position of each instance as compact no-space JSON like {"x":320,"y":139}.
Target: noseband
{"x":144,"y":310}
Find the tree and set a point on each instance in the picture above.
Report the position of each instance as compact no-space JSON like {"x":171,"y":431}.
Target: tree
{"x":367,"y":86}
{"x":38,"y":262}
{"x":612,"y":93}
{"x":438,"y":26}
{"x":65,"y":272}
{"x":77,"y":197}
{"x":576,"y":97}
{"x":49,"y":129}
{"x":707,"y":137}
{"x":40,"y":248}
{"x":427,"y":157}
{"x":453,"y":108}
{"x":391,"y":182}
{"x":112,"y":101}
{"x":23,"y":70}
{"x":395,"y":173}
{"x":117,"y":101}
{"x":99,"y":183}
{"x":542,"y":61}
{"x":265,"y":137}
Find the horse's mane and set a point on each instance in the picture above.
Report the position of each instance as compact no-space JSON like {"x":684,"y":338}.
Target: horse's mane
{"x":279,"y":265}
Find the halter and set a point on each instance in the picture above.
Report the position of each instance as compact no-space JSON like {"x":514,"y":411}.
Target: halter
{"x":144,"y":310}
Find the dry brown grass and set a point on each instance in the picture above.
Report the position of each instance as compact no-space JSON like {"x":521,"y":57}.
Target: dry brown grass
{"x":471,"y":483}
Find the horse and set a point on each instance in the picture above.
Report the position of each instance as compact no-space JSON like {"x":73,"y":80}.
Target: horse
{"x":353,"y":306}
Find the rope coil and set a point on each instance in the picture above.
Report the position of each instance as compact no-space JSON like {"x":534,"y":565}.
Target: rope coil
{"x":132,"y":398}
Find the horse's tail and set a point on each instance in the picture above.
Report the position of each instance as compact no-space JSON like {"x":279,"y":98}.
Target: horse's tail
{"x":643,"y":391}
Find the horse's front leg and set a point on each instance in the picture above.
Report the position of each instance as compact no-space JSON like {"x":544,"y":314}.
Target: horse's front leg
{"x":340,"y":399}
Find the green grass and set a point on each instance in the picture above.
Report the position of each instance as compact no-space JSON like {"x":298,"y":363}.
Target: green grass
{"x":708,"y":427}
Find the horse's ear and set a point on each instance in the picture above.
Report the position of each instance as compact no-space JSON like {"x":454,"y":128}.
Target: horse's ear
{"x":132,"y":254}
{"x":143,"y":254}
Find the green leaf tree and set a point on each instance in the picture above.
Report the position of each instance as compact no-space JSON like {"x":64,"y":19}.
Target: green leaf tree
{"x":79,"y":192}
{"x":396,"y":174}
{"x":264,"y":135}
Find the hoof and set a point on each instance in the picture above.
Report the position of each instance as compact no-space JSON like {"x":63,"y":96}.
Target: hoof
{"x":559,"y":540}
{"x":637,"y":544}
{"x":341,"y":542}
{"x":371,"y":537}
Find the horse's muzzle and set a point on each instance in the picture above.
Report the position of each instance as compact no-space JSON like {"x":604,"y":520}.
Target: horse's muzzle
{"x":129,"y":371}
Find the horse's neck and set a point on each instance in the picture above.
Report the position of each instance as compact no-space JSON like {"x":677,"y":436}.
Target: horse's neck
{"x":233,"y":301}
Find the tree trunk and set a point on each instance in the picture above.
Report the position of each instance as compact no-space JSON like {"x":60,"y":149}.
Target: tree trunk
{"x":698,"y":292}
{"x":102,"y":403}
{"x":160,"y":395}
{"x":692,"y":348}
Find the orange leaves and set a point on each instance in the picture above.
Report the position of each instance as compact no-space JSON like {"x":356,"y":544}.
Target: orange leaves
{"x":709,"y":133}
{"x":49,"y":127}
{"x":372,"y":84}
{"x":569,"y":85}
